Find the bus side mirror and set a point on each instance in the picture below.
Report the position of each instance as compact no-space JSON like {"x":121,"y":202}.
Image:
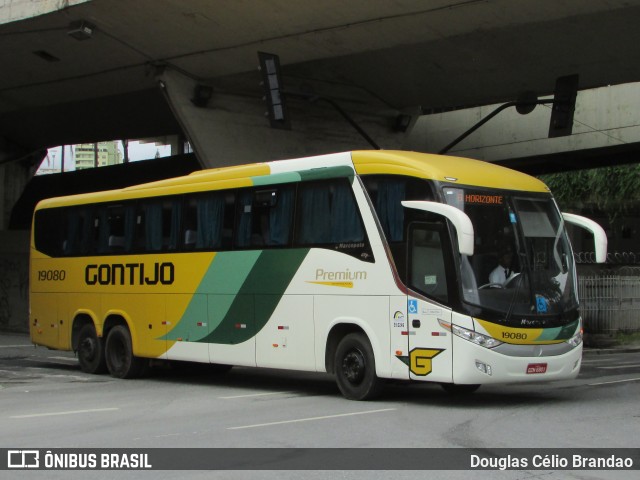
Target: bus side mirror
{"x":460,"y":220}
{"x":599,"y":237}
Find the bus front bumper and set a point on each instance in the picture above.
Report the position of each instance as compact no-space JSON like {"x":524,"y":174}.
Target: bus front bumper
{"x":474,"y":364}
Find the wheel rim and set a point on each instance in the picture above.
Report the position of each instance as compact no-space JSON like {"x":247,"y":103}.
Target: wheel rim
{"x":354,"y":366}
{"x":88,"y":349}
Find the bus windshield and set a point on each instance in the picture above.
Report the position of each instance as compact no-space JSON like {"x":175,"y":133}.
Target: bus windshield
{"x":522,"y":267}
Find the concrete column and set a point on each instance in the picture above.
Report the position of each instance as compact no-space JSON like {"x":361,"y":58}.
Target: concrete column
{"x":232,"y":129}
{"x":14,"y":281}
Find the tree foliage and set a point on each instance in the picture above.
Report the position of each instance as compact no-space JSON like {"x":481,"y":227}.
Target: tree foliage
{"x":614,"y":190}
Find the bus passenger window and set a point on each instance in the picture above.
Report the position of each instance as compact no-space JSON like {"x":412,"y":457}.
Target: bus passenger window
{"x":386,"y":193}
{"x":390,"y":210}
{"x":244,"y":230}
{"x":161,"y":225}
{"x":209,"y":222}
{"x":328,"y":214}
{"x":315,"y":214}
{"x":280,"y":217}
{"x":265,"y":217}
{"x":117,"y":228}
{"x":82,"y":229}
{"x":49,"y":230}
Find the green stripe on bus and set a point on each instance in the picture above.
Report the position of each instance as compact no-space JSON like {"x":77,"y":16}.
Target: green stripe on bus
{"x":559,"y":333}
{"x":259,"y":296}
{"x":225,"y":276}
{"x":238,"y":295}
{"x":276,"y":178}
{"x":321,"y":173}
{"x":327,"y":172}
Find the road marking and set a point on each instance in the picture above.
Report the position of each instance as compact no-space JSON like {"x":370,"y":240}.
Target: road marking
{"x":70,"y":412}
{"x":253,"y":395}
{"x":615,"y":381}
{"x":49,"y":359}
{"x":16,"y":346}
{"x":66,"y":359}
{"x":620,"y":366}
{"x":311,"y":419}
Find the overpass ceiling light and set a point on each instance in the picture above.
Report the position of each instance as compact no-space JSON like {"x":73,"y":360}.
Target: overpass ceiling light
{"x":81,"y":30}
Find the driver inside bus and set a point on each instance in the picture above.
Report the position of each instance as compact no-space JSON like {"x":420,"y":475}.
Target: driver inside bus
{"x":503,"y":272}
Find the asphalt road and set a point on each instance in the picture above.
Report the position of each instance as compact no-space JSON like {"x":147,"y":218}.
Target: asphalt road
{"x":47,"y":402}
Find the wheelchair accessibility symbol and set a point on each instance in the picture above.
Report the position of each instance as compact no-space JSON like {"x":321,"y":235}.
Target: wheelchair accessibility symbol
{"x":413,"y":307}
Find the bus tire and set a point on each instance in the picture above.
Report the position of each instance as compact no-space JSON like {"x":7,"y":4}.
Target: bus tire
{"x":91,"y":350}
{"x":355,"y":368}
{"x":119,"y":354}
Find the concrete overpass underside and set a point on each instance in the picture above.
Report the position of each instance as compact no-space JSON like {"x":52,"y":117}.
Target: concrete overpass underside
{"x":90,"y":70}
{"x":135,"y":71}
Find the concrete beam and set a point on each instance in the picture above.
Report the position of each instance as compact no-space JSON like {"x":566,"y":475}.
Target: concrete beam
{"x":604,"y":117}
{"x":15,"y":10}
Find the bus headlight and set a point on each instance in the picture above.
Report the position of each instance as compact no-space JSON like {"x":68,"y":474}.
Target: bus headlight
{"x":576,"y":339}
{"x":470,"y":335}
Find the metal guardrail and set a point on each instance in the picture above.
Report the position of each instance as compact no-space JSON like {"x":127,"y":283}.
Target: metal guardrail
{"x":611,"y":303}
{"x":615,"y":258}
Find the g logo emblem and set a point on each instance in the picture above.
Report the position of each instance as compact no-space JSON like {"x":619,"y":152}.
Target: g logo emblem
{"x":420,"y":360}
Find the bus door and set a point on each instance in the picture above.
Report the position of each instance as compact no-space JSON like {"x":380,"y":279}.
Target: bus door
{"x":430,"y":276}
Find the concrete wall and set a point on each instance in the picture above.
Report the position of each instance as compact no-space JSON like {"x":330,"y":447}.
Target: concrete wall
{"x":14,"y":281}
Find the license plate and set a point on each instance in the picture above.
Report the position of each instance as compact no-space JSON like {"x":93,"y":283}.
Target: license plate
{"x":534,"y":368}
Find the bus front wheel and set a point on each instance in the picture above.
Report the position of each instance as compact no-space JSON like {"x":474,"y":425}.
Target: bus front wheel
{"x":90,"y":350}
{"x":355,"y":368}
{"x":119,"y":354}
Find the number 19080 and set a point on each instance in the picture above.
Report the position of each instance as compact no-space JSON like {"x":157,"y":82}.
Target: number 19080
{"x":51,"y":275}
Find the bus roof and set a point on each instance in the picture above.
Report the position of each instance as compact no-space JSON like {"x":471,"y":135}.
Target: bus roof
{"x":456,"y":170}
{"x":444,"y":168}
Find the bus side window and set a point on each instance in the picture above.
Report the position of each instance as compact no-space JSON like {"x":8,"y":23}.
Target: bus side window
{"x":89,"y":225}
{"x":79,"y":233}
{"x":314,"y":220}
{"x":265,"y":217}
{"x":190,"y":223}
{"x":228,"y":224}
{"x":278,"y":215}
{"x":389,"y":207}
{"x":244,"y":230}
{"x":118,"y":231}
{"x":328,"y":214}
{"x":162,"y":220}
{"x":49,"y":231}
{"x":386,"y":193}
{"x":209,"y":222}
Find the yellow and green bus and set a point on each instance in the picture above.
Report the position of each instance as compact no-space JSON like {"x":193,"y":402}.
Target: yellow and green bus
{"x":370,"y":265}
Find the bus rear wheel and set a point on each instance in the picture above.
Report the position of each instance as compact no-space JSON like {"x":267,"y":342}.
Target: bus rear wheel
{"x":90,"y":350}
{"x":355,"y":368}
{"x":119,"y":354}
